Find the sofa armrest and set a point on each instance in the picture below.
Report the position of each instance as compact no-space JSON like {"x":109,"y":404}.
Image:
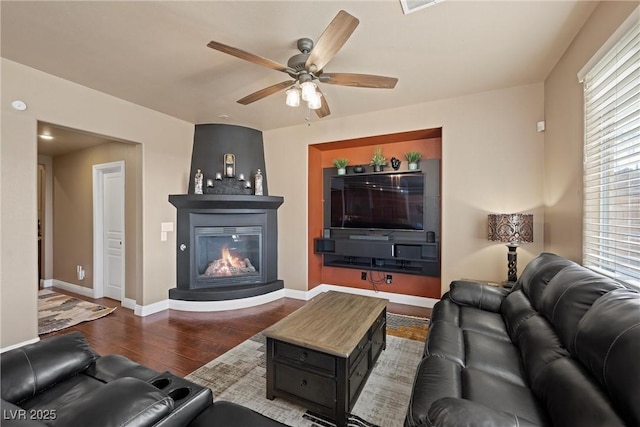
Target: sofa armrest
{"x":454,"y":412}
{"x":29,"y":369}
{"x":477,"y":294}
{"x":122,"y":402}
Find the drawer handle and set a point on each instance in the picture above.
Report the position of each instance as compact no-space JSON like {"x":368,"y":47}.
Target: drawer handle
{"x":360,"y":347}
{"x":304,"y":356}
{"x":359,"y":374}
{"x":303,"y":383}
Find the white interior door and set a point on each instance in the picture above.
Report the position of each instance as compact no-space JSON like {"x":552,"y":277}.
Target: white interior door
{"x":108,"y":230}
{"x":113,"y":208}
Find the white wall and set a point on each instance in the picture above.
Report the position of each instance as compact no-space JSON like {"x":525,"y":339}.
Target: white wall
{"x":492,"y":162}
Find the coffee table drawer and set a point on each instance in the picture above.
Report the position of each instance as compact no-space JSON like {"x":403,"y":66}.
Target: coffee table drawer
{"x":305,"y":356}
{"x":356,"y":378}
{"x":306,"y":385}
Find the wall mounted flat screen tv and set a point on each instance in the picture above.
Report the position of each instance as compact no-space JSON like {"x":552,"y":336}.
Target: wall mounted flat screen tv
{"x":384,"y":201}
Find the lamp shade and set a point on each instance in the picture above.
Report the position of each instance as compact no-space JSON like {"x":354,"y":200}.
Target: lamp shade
{"x":511,"y":228}
{"x":293,"y":97}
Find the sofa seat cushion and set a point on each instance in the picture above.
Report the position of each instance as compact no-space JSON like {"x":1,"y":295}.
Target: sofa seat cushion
{"x":474,"y":350}
{"x":495,"y":357}
{"x":501,"y":395}
{"x":125,"y":402}
{"x":438,"y":377}
{"x":470,"y":318}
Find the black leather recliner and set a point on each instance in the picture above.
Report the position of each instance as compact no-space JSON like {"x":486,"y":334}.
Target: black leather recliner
{"x":60,"y":381}
{"x":559,"y":348}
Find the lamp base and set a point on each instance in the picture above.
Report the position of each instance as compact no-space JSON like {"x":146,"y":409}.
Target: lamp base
{"x":512,"y":263}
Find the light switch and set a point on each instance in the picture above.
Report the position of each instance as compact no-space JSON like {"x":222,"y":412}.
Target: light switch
{"x":163,"y":236}
{"x":166,"y":226}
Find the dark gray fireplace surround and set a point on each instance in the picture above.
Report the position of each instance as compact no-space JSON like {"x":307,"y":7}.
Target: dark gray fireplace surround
{"x":227,"y":245}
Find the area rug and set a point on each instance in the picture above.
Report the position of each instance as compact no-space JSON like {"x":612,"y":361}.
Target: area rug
{"x":57,"y":311}
{"x":239,"y":376}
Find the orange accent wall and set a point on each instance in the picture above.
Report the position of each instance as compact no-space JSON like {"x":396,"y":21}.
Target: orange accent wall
{"x":359,"y":151}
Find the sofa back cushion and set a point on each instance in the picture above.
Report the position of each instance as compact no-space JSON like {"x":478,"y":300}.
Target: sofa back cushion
{"x":32,"y":368}
{"x":608,"y":344}
{"x":569,"y":295}
{"x":573,"y":397}
{"x":538,"y":273}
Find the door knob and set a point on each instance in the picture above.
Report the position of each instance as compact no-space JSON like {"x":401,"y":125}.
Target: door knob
{"x":183,"y":247}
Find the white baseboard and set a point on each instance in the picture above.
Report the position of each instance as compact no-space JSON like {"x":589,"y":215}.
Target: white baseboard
{"x":80,"y":290}
{"x":11,"y":347}
{"x":128,"y":303}
{"x":156,"y":307}
{"x":395,"y":298}
{"x":46,"y":283}
{"x":207,"y":306}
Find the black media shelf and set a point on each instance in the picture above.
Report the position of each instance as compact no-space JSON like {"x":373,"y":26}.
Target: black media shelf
{"x":408,"y":257}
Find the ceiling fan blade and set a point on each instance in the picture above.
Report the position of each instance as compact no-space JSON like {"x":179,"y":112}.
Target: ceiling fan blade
{"x":263,"y":93}
{"x":323,"y":111}
{"x":359,"y":80}
{"x":332,"y":39}
{"x":238,"y":53}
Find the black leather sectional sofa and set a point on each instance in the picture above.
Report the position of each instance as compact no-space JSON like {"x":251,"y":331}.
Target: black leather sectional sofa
{"x":60,"y":381}
{"x":561,"y":347}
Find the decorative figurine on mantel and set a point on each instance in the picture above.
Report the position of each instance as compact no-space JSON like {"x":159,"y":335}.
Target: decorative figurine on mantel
{"x":229,"y":165}
{"x":258,"y":184}
{"x":198,"y":182}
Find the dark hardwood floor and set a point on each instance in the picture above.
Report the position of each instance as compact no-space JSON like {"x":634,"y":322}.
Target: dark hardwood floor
{"x":180,"y":341}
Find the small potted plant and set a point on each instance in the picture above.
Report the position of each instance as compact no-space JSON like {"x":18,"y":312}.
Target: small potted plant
{"x":413,"y":157}
{"x":341,"y":163}
{"x":378,"y":161}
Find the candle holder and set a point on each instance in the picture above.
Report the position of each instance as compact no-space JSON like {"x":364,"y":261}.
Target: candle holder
{"x":218,"y":176}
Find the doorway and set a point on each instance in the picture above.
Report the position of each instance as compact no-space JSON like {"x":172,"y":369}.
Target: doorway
{"x":108,"y":230}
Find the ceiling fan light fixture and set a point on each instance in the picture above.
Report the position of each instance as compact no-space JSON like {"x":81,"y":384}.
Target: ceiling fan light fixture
{"x":314,"y":103}
{"x":308,"y":90}
{"x":293,"y":97}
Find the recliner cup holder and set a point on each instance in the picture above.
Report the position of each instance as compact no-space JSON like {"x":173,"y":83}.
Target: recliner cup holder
{"x":161,"y":383}
{"x":179,"y":393}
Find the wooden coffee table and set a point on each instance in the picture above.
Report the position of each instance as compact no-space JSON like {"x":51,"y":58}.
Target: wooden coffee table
{"x":321,"y":355}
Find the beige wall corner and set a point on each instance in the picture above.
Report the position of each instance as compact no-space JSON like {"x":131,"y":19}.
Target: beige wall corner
{"x":492,"y":162}
{"x":18,"y":228}
{"x":564,"y":135}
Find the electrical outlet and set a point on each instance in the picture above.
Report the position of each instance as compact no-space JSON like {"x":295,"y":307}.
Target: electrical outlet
{"x":389,"y":279}
{"x":363,"y":275}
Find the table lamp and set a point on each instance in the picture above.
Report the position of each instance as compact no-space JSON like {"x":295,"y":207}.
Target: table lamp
{"x":512,"y":229}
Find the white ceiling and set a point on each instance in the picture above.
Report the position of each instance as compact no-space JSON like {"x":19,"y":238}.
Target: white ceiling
{"x":154,"y":53}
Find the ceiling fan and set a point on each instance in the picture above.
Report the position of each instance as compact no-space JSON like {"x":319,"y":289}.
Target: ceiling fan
{"x":307,"y":67}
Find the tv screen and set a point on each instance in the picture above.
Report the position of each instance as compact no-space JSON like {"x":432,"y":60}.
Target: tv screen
{"x":385,"y":201}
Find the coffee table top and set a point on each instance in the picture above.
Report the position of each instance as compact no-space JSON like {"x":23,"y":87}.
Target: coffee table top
{"x":333,"y":322}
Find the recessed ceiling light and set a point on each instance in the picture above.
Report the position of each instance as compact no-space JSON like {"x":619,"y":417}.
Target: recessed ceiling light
{"x":19,"y":105}
{"x":44,"y":136}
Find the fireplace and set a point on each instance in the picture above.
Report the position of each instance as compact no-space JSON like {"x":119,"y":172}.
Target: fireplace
{"x":227,"y":238}
{"x":227,"y":246}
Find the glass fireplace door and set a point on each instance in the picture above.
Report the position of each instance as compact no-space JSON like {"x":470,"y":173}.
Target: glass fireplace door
{"x":227,"y":255}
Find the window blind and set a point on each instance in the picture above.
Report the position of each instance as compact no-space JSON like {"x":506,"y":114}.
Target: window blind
{"x":611,"y":221}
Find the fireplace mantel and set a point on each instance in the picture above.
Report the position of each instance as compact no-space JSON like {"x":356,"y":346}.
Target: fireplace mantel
{"x":219,"y":201}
